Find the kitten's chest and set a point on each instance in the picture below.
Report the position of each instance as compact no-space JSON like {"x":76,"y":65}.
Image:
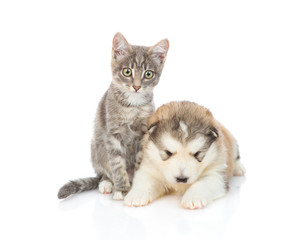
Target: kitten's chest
{"x":133,"y":116}
{"x":128,"y":116}
{"x":130,"y":123}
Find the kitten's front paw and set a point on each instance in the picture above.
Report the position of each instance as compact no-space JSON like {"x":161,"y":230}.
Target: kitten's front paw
{"x":105,"y":187}
{"x":117,"y":196}
{"x":137,"y":199}
{"x":193,"y":201}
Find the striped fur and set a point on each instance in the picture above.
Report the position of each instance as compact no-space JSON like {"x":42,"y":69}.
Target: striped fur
{"x":121,"y":119}
{"x":77,"y":186}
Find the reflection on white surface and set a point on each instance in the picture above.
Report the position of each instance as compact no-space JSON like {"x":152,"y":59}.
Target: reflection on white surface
{"x":163,"y":219}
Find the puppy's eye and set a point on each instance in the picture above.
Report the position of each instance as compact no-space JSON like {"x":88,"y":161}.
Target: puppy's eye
{"x":199,"y":156}
{"x":127,"y":72}
{"x":148,"y":74}
{"x":196,"y":154}
{"x":169,"y":153}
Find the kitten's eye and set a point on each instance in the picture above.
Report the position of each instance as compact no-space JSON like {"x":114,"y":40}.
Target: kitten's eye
{"x":169,"y":153}
{"x":148,"y":74}
{"x":127,"y":72}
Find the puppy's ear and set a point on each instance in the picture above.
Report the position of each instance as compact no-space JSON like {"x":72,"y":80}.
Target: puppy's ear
{"x":152,"y":127}
{"x":212,"y":134}
{"x":153,"y":122}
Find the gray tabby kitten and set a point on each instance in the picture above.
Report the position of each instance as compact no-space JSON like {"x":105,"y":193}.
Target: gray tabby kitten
{"x":121,"y":119}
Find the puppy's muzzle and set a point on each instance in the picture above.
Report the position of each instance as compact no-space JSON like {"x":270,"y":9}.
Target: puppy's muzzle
{"x":181,"y":179}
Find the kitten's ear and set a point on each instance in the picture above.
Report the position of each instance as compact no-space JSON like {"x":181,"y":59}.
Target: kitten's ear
{"x":159,"y":51}
{"x":212,"y":134}
{"x":120,"y":47}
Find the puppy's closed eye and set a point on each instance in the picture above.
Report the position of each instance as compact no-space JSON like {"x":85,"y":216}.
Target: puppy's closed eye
{"x":199,"y":155}
{"x":169,"y":153}
{"x":166,"y":154}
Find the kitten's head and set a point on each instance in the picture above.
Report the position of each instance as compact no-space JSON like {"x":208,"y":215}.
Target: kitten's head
{"x":136,"y":69}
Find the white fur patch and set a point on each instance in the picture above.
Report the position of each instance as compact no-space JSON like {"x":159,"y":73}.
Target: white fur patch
{"x":147,"y":186}
{"x":171,"y":143}
{"x":153,"y":152}
{"x":116,"y":144}
{"x":196,"y":144}
{"x":193,"y":202}
{"x":204,"y":191}
{"x":136,"y":198}
{"x":184,"y":129}
{"x":135,"y":98}
{"x":211,"y":154}
{"x":105,"y":187}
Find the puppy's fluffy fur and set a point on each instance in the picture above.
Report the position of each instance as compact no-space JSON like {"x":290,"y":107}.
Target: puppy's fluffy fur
{"x":186,"y":151}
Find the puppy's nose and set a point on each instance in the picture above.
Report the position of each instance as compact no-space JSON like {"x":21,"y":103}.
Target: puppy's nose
{"x":136,"y":88}
{"x":181,"y":179}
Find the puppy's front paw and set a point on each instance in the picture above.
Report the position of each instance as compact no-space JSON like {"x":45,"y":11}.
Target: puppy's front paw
{"x":137,"y":199}
{"x":193,"y":201}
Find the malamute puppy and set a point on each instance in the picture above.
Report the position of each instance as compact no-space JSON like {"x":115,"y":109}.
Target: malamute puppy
{"x":186,"y":151}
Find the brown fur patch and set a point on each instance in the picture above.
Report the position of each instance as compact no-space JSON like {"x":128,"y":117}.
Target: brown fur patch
{"x":185,"y":110}
{"x":228,"y":140}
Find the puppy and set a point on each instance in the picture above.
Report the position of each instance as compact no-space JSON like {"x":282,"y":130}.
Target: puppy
{"x":186,"y":151}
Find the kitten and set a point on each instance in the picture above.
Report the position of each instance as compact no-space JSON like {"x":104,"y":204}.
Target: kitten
{"x":121,"y":119}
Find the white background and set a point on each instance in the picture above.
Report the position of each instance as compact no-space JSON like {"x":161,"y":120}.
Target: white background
{"x":245,"y":60}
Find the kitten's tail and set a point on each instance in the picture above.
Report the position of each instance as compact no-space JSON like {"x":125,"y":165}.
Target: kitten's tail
{"x":77,"y":186}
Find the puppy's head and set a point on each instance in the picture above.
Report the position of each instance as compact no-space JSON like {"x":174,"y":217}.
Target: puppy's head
{"x":181,"y":137}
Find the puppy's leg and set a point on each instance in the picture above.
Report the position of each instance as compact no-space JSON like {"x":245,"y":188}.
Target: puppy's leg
{"x":204,"y":191}
{"x":239,"y":169}
{"x":145,"y":189}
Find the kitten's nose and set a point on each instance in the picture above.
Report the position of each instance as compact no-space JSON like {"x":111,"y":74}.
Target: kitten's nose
{"x":136,"y":88}
{"x":181,"y":179}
